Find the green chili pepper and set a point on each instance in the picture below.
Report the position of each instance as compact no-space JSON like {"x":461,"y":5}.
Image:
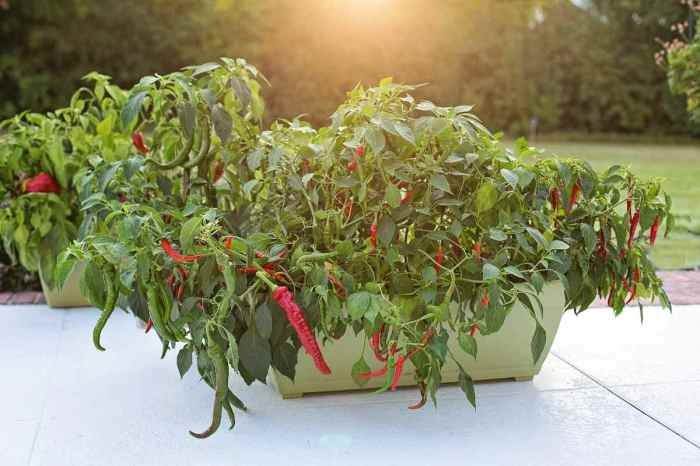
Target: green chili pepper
{"x":154,"y":311}
{"x":110,"y":303}
{"x":218,"y":357}
{"x":178,"y":160}
{"x":204,"y":149}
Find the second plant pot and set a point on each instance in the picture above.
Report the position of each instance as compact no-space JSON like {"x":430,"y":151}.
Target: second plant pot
{"x":69,"y":295}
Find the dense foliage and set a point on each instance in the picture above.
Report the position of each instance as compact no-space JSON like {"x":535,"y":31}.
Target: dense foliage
{"x":402,"y":220}
{"x":39,"y":156}
{"x":682,"y":59}
{"x":584,"y":66}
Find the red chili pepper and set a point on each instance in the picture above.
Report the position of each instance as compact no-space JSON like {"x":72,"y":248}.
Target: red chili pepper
{"x":623,"y":253}
{"x":473,"y":329}
{"x":602,"y":248}
{"x":360,"y":151}
{"x":295,"y":316}
{"x":476,"y":249}
{"x":137,"y":140}
{"x":374,"y":343}
{"x":305,"y":166}
{"x":407,"y":197}
{"x":573,"y":199}
{"x":176,"y":256}
{"x":122,"y":198}
{"x":398,"y":369}
{"x":554,"y":198}
{"x":200,"y":306}
{"x":228,"y":242}
{"x":439,"y":258}
{"x":248,"y":270}
{"x":485,"y":300}
{"x":633,"y":228}
{"x":218,"y":171}
{"x":378,"y":373}
{"x":456,"y":250}
{"x":373,"y":235}
{"x":260,"y":255}
{"x":149,"y":326}
{"x":654,"y":230}
{"x":41,"y":183}
{"x":180,"y":292}
{"x":636,"y":275}
{"x":337,"y":285}
{"x":171,"y":281}
{"x":352,"y":166}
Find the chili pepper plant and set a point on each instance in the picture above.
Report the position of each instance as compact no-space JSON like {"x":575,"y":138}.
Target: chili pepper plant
{"x":402,"y":221}
{"x":40,"y":154}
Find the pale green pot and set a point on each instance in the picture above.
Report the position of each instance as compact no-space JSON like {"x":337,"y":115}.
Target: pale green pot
{"x":69,"y":295}
{"x":503,"y":355}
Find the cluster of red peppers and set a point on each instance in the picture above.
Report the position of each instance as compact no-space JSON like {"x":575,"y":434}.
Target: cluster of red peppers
{"x":375,"y":341}
{"x":358,"y":154}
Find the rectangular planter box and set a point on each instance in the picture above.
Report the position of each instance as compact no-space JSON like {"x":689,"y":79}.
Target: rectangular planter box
{"x":503,"y":355}
{"x":70,"y":295}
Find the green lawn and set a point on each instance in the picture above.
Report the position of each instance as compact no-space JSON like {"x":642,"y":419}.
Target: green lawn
{"x":679,"y":165}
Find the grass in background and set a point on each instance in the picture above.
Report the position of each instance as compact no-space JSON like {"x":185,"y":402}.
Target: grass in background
{"x":679,"y":165}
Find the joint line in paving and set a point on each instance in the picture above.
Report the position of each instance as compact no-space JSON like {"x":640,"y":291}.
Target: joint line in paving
{"x":625,"y":400}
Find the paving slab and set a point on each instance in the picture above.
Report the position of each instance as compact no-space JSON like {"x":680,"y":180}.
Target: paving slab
{"x":676,"y":405}
{"x":127,"y":407}
{"x":623,"y":351}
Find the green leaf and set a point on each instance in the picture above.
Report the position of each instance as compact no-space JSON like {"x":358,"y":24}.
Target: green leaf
{"x":539,"y":339}
{"x":405,"y":132}
{"x":184,"y":360}
{"x":511,"y":178}
{"x":92,"y":284}
{"x":358,"y":304}
{"x":468,"y":344}
{"x":490,"y":271}
{"x":360,"y":367}
{"x":512,"y":270}
{"x":132,"y":109}
{"x":440,"y":182}
{"x":255,"y":354}
{"x":188,"y":232}
{"x":284,"y":359}
{"x":495,"y":318}
{"x":588,"y":237}
{"x":386,"y":230}
{"x":467,"y":385}
{"x":537,"y":281}
{"x":263,"y":320}
{"x":223,"y":123}
{"x":375,"y":138}
{"x":486,"y":197}
{"x":537,"y":236}
{"x":64,"y":267}
{"x":392,"y":196}
{"x":497,"y":235}
{"x":557,"y":245}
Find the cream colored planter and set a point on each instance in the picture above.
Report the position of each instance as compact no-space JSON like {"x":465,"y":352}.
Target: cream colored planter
{"x":70,"y":295}
{"x":503,"y":355}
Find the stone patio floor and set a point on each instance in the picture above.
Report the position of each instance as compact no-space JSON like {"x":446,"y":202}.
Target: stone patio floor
{"x":612,"y":392}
